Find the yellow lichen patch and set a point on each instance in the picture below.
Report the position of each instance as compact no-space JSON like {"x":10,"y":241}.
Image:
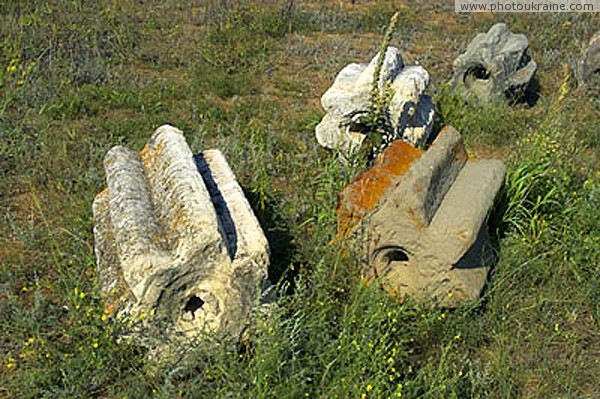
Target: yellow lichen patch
{"x":144,"y":154}
{"x":114,"y":299}
{"x":159,"y":147}
{"x":147,"y":156}
{"x":365,"y":191}
{"x":178,"y":222}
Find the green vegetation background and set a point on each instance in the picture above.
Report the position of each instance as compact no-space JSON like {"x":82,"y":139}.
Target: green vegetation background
{"x":77,"y":77}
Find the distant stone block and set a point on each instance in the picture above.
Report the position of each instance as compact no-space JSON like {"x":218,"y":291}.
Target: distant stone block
{"x":420,"y":218}
{"x":495,"y":66}
{"x":176,"y":241}
{"x":587,"y":68}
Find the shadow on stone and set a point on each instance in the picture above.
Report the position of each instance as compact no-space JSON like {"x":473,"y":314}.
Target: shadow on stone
{"x":530,"y":95}
{"x":219,"y":203}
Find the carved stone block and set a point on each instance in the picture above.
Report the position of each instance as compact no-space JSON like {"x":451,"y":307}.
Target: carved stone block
{"x":420,"y":217}
{"x":410,"y":112}
{"x":176,"y":241}
{"x":495,"y":66}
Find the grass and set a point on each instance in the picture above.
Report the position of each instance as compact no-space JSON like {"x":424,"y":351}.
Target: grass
{"x":246,"y":77}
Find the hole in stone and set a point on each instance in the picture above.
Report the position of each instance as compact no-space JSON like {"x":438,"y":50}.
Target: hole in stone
{"x":525,"y":58}
{"x":358,"y":125}
{"x":395,"y":255}
{"x":193,"y":304}
{"x":388,"y":259}
{"x":478,"y":72}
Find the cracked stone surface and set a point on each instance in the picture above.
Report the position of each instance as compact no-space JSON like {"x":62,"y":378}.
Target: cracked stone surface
{"x":410,"y":112}
{"x":177,"y":244}
{"x":420,"y":218}
{"x":496,"y":65}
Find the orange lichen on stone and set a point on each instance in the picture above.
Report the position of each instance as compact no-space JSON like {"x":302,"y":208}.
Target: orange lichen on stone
{"x":145,"y":153}
{"x":364,"y":192}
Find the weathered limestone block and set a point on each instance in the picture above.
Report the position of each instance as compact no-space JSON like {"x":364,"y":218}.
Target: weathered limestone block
{"x":495,"y":66}
{"x":411,"y":112}
{"x":176,"y":241}
{"x":587,"y":69}
{"x":420,"y":217}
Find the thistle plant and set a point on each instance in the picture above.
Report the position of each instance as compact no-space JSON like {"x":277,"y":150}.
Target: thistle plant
{"x":375,"y":92}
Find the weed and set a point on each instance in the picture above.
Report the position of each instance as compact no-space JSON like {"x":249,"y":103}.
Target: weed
{"x":375,"y":123}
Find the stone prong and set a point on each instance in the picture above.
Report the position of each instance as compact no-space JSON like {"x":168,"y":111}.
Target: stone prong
{"x":186,"y":209}
{"x":135,"y":228}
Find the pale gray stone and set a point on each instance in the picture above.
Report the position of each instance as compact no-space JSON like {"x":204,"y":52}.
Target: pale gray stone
{"x":411,"y":112}
{"x":179,"y":250}
{"x":587,"y":69}
{"x":427,"y":235}
{"x":496,"y":65}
